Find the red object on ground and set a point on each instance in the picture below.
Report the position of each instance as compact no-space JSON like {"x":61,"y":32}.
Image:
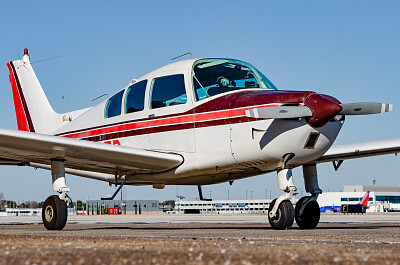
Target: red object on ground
{"x":113,"y":211}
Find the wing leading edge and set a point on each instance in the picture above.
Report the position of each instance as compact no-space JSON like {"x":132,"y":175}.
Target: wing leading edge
{"x":359,"y":150}
{"x":27,"y":147}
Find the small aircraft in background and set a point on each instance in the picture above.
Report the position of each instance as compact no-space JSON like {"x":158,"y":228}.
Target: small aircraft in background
{"x":192,"y":122}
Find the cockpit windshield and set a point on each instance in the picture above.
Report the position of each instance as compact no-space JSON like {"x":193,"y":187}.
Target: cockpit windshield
{"x":215,"y":76}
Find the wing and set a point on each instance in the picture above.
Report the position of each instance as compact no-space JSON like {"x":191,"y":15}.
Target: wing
{"x":18,"y":147}
{"x":350,"y":151}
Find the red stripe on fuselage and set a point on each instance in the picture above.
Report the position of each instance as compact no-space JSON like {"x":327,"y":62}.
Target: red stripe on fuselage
{"x":24,"y":120}
{"x":168,"y":128}
{"x":179,"y":122}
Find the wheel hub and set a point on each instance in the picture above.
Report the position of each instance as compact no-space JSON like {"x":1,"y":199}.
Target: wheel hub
{"x":49,"y":213}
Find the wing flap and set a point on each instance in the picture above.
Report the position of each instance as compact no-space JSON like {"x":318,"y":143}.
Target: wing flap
{"x":79,"y":154}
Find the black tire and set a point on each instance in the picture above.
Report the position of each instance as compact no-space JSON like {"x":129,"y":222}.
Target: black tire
{"x":54,"y":213}
{"x":311,"y":214}
{"x":284,"y":217}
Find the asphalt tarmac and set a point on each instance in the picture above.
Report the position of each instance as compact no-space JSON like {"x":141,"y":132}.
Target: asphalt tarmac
{"x":200,"y":239}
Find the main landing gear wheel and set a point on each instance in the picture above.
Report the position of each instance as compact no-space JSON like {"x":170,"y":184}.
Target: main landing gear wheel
{"x":311,"y":214}
{"x":54,"y":213}
{"x":284,"y":216}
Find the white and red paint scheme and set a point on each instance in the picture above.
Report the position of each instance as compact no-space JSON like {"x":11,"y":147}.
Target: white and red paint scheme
{"x":228,"y":122}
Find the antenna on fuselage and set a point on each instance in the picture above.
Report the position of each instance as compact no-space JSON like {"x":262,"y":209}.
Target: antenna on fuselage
{"x":182,"y":56}
{"x":99,"y":97}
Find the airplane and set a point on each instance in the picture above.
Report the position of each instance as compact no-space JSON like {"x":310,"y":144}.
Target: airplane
{"x":192,"y":122}
{"x":337,"y":209}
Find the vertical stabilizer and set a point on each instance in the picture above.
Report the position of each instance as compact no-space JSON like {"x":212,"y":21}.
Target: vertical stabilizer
{"x":365,"y":199}
{"x":32,"y":108}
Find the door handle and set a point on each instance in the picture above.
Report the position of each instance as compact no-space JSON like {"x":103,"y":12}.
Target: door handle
{"x":151,"y":116}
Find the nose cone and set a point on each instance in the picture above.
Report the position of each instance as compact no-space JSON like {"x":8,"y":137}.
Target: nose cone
{"x":323,"y":109}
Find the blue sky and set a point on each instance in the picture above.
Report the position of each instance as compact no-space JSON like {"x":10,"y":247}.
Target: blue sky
{"x":347,"y":49}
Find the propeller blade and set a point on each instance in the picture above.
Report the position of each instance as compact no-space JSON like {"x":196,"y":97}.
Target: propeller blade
{"x":365,"y":108}
{"x":283,"y":112}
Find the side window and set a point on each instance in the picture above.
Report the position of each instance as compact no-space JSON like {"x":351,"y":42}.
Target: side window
{"x":168,"y":91}
{"x":113,"y":105}
{"x":134,"y":100}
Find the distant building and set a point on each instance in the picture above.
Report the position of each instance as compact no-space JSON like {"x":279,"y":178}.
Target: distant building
{"x":222,"y":206}
{"x":381,"y":198}
{"x":21,"y":212}
{"x":98,"y":207}
{"x":29,"y":212}
{"x":365,"y":188}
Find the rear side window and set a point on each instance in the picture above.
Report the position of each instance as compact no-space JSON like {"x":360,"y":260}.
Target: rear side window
{"x":168,"y":91}
{"x":135,"y":97}
{"x":113,"y":105}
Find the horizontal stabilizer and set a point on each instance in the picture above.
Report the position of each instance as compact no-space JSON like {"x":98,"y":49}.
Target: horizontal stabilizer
{"x":283,"y":112}
{"x":365,"y":108}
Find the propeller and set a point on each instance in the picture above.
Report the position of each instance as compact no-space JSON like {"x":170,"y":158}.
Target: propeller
{"x":364,"y":108}
{"x":283,"y":112}
{"x":319,"y":113}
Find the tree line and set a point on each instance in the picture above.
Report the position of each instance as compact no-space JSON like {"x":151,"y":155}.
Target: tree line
{"x":79,"y":205}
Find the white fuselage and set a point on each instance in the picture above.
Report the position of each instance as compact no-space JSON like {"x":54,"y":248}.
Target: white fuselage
{"x":218,"y":143}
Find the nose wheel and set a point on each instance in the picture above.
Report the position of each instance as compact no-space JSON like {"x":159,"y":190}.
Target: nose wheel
{"x":284,"y":216}
{"x":54,"y":213}
{"x":308,"y":217}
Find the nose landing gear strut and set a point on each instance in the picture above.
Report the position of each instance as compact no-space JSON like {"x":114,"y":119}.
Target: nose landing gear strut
{"x":281,"y":212}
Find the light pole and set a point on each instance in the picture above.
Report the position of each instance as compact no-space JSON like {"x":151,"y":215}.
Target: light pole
{"x":246,"y":194}
{"x":251,"y":194}
{"x":228,"y":195}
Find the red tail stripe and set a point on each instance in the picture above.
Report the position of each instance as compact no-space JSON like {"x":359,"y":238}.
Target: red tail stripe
{"x":24,"y":120}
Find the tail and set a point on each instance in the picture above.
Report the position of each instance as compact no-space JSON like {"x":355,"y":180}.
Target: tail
{"x":32,"y":108}
{"x":365,"y":199}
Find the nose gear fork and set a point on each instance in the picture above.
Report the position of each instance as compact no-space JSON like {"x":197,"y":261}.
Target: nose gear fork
{"x":285,"y":183}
